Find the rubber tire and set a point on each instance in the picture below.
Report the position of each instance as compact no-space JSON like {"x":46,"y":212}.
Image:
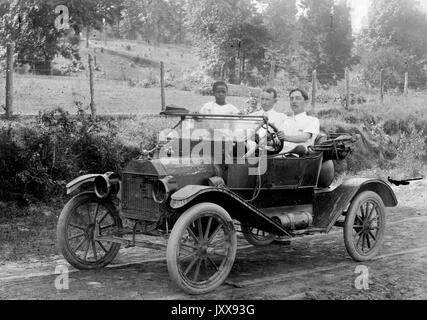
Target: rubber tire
{"x":254,"y":241}
{"x":349,"y":223}
{"x":175,"y":238}
{"x":63,"y":221}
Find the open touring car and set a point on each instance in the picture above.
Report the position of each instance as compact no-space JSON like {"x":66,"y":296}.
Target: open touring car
{"x":192,"y":190}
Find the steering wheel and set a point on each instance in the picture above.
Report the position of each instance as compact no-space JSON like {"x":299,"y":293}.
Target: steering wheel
{"x":272,"y":132}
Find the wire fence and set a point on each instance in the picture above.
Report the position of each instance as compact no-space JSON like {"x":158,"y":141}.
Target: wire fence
{"x":126,"y":89}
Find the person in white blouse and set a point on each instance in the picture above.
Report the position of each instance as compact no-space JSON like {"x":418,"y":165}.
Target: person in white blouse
{"x":300,"y":129}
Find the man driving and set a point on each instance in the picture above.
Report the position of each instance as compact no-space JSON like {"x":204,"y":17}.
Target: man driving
{"x":300,"y":129}
{"x":268,"y":101}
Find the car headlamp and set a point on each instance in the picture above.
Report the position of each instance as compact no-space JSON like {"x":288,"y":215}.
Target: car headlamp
{"x":162,"y":189}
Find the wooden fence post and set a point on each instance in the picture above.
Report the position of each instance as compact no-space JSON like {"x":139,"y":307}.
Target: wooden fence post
{"x":405,"y":89}
{"x":162,"y":85}
{"x":382,"y":86}
{"x":9,"y":80}
{"x":314,"y":90}
{"x":347,"y":88}
{"x":92,"y":88}
{"x":87,"y":36}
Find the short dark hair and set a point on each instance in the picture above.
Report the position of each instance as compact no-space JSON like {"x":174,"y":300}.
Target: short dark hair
{"x":219,"y":83}
{"x":271,"y":91}
{"x":303,"y":93}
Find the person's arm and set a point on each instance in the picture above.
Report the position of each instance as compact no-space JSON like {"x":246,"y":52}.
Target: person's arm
{"x":233,"y":110}
{"x":312,"y":129}
{"x":206,"y":109}
{"x":301,"y":138}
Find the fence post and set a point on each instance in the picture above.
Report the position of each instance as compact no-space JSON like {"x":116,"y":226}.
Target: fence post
{"x":92,"y":88}
{"x":162,"y":85}
{"x":9,"y":80}
{"x":272,"y":71}
{"x":347,"y":88}
{"x":382,"y":86}
{"x":87,"y":36}
{"x":405,"y":89}
{"x":314,"y":90}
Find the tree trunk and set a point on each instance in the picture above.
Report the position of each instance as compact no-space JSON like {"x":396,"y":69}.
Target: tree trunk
{"x":244,"y":68}
{"x":87,"y":36}
{"x":232,"y":70}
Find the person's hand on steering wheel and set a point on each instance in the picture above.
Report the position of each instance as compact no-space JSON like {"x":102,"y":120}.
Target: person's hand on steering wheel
{"x":274,"y":142}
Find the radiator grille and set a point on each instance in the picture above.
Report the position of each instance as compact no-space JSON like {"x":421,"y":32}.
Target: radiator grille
{"x":137,"y":199}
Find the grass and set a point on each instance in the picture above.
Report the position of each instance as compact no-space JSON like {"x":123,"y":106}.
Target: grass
{"x":34,"y":93}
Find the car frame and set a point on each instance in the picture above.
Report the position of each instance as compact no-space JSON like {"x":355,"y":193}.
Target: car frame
{"x":195,"y":208}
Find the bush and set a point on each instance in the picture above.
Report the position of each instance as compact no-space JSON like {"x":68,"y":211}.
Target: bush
{"x":410,"y":154}
{"x":39,"y":158}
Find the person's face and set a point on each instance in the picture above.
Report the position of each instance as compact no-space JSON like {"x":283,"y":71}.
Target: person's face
{"x":267,"y":101}
{"x":297,"y":102}
{"x":220,"y":94}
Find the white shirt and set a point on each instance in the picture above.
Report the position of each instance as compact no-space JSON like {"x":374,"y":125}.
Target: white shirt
{"x":299,"y":124}
{"x":216,"y":109}
{"x":276,"y":118}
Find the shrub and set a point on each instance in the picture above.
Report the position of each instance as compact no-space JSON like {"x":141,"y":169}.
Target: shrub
{"x":410,"y":154}
{"x":37,"y":159}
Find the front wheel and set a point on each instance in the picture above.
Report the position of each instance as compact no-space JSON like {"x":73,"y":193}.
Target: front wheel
{"x":364,"y":226}
{"x":201,"y":248}
{"x":76,"y":232}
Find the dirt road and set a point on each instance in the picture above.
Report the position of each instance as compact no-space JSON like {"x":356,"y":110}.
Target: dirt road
{"x":316,"y":267}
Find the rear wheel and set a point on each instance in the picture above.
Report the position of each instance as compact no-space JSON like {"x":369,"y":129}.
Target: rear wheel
{"x":256,"y":237}
{"x":202,"y":248}
{"x":76,"y":230}
{"x":364,"y":226}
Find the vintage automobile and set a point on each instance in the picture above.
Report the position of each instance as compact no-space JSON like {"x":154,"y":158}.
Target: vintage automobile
{"x":194,"y":192}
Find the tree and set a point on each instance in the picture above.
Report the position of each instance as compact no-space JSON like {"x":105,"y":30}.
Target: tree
{"x":155,"y":20}
{"x":90,"y":14}
{"x":29,"y":24}
{"x":281,"y":21}
{"x":395,"y":40}
{"x":327,"y":36}
{"x":228,"y":35}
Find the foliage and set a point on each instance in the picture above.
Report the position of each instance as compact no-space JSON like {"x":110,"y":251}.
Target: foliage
{"x":395,"y":41}
{"x":229,"y":36}
{"x":40,"y":158}
{"x":29,"y":23}
{"x":326,"y":34}
{"x":159,"y":20}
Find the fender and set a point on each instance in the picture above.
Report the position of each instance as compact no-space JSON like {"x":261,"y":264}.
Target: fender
{"x":329,"y":205}
{"x":238,"y":208}
{"x":77,"y":183}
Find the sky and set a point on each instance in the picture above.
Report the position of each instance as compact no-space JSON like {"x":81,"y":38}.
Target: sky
{"x":359,"y":12}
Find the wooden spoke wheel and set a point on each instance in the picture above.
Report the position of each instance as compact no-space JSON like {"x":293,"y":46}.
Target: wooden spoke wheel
{"x":201,"y":248}
{"x":256,"y":237}
{"x":364,"y":226}
{"x":76,"y":230}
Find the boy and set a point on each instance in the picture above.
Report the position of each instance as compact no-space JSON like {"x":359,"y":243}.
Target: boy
{"x":219,"y":106}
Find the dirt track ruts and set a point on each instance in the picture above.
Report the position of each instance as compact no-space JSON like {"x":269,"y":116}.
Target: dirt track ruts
{"x":315,"y":267}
